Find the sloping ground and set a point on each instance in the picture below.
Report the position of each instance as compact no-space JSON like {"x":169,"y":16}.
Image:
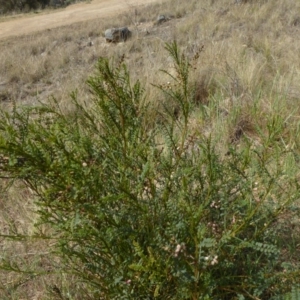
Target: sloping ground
{"x":245,"y":68}
{"x":72,"y":14}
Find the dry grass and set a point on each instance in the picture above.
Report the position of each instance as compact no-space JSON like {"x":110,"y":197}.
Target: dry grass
{"x":248,"y":68}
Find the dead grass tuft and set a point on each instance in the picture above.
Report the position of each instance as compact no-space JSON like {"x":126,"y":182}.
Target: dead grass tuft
{"x":243,"y":127}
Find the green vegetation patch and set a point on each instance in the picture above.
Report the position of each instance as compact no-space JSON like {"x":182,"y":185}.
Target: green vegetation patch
{"x":141,"y":207}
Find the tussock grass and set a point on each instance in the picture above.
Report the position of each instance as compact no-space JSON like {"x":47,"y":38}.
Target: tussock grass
{"x":246,"y":78}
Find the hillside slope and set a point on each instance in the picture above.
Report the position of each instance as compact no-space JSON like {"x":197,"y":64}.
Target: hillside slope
{"x":243,"y":107}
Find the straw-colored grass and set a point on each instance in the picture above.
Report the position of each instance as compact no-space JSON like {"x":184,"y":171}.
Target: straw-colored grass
{"x":246,"y":66}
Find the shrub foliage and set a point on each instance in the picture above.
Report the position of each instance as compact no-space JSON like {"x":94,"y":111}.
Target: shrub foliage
{"x":144,"y":212}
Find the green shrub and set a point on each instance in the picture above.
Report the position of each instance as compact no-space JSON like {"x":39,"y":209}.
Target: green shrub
{"x":145,"y":212}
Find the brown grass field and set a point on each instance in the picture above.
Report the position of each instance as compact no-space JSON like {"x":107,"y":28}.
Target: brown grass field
{"x":245,"y":60}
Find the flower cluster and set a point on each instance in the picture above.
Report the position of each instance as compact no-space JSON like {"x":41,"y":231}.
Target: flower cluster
{"x":179,"y":248}
{"x":212,"y":260}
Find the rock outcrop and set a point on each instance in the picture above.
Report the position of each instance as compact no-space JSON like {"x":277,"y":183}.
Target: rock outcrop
{"x":161,"y":19}
{"x":116,"y":35}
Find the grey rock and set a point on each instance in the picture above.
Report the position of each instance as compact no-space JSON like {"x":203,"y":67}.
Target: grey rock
{"x":161,"y":19}
{"x":116,"y":35}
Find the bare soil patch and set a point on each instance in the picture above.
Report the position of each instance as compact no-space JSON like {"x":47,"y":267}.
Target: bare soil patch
{"x":72,"y":14}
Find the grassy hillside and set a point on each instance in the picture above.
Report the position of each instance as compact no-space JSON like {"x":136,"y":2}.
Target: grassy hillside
{"x":230,"y":127}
